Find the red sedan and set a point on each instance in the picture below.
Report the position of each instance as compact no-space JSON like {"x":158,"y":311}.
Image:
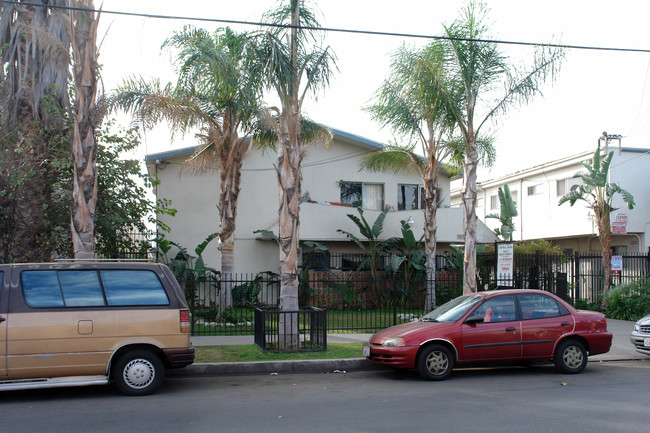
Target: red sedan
{"x":495,"y":326}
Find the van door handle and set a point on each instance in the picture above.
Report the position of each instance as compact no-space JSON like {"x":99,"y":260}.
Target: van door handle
{"x":2,"y":319}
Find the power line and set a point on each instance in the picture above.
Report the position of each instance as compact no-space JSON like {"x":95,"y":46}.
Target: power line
{"x":327,"y":29}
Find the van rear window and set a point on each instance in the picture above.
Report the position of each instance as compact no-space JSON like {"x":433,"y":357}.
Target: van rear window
{"x":44,"y":289}
{"x":133,"y":288}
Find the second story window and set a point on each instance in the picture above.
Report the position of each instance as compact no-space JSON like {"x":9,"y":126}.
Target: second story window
{"x":564,"y":186}
{"x":364,"y":195}
{"x":410,"y":197}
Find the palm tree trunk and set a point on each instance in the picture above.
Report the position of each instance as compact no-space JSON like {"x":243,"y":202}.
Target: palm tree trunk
{"x":431,"y":197}
{"x":288,"y":170}
{"x":469,"y":215}
{"x":230,"y":186}
{"x":84,"y":144}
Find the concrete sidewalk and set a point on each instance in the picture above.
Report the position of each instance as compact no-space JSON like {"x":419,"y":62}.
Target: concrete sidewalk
{"x":621,"y":350}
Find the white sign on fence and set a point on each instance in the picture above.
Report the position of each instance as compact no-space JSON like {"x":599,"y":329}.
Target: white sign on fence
{"x":505,"y":265}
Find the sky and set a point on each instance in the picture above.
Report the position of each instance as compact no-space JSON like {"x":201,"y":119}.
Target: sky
{"x":595,"y":91}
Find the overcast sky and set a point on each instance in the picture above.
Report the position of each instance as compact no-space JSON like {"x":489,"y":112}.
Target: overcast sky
{"x":595,"y":91}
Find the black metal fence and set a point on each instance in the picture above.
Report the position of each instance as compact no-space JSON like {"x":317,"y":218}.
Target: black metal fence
{"x":358,"y":301}
{"x":304,"y":330}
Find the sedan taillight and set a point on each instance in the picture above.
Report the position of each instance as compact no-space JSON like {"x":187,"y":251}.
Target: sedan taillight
{"x":185,"y":321}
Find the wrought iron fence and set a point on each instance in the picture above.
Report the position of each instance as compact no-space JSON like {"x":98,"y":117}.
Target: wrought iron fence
{"x":358,"y":301}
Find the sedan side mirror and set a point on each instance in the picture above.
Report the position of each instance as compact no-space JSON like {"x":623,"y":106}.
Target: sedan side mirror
{"x":474,"y":319}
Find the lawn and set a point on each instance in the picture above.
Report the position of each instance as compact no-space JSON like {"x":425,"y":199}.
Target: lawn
{"x":250,"y":353}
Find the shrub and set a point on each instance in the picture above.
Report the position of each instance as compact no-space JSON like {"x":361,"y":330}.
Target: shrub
{"x":630,"y":301}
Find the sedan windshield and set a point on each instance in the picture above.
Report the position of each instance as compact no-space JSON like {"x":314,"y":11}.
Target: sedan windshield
{"x":452,"y":310}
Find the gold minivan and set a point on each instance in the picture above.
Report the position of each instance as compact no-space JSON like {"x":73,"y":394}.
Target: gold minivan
{"x":85,"y":323}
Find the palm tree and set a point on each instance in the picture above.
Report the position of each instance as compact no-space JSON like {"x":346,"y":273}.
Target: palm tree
{"x":35,"y":45}
{"x":598,"y":193}
{"x":86,"y":118}
{"x":411,"y":103}
{"x":293,"y":65}
{"x":481,"y":68}
{"x":216,"y":92}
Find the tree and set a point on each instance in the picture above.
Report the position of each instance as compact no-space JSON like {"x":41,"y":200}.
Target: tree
{"x":412,"y":104}
{"x":293,"y":64}
{"x":598,"y":193}
{"x":481,"y":68}
{"x":375,"y":245}
{"x":86,"y":118}
{"x":217,"y":92}
{"x":35,"y":44}
{"x":123,"y":206}
{"x":508,"y":209}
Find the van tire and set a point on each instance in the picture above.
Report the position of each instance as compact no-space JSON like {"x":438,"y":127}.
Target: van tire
{"x":138,"y":372}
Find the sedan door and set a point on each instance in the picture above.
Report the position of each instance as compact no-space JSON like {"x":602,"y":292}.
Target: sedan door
{"x":543,"y":322}
{"x":498,"y":336}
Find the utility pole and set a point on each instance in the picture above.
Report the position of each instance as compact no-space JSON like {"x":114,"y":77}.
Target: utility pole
{"x":609,"y":137}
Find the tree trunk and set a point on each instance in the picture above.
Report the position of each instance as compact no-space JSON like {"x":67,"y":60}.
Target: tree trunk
{"x":469,"y":215}
{"x":288,"y":169}
{"x":229,"y":188}
{"x":604,"y":234}
{"x":84,"y":144}
{"x":431,"y":198}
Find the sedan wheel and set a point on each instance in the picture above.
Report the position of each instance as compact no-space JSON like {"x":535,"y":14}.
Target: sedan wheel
{"x":435,"y":362}
{"x":571,"y":357}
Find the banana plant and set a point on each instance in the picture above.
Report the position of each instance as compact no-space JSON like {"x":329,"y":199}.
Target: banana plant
{"x":508,"y":212}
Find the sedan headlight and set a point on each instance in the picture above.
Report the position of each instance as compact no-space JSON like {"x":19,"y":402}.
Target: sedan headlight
{"x":394,"y":342}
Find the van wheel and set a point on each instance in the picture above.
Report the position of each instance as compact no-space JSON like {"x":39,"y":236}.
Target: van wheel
{"x":139,"y":372}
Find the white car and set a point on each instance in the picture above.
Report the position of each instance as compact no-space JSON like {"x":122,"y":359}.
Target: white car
{"x":640,"y":336}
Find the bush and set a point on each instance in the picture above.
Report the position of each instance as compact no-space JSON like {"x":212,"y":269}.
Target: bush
{"x":629,"y":302}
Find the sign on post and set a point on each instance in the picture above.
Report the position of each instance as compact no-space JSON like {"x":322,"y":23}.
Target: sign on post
{"x":505,"y":265}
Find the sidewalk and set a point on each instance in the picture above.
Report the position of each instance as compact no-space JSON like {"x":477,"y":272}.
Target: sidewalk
{"x":621,"y":350}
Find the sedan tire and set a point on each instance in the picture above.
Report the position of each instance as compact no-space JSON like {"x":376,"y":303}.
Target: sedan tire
{"x":570,"y":357}
{"x":435,"y":362}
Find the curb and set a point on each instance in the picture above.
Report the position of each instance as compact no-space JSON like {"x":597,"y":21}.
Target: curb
{"x":266,"y":367}
{"x":301,"y":366}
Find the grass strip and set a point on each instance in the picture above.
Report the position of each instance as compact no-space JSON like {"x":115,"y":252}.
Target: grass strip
{"x":250,"y":353}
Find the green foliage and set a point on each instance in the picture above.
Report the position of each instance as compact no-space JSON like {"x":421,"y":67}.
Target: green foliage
{"x":541,"y":245}
{"x":508,"y":209}
{"x":628,"y":302}
{"x":122,"y":203}
{"x":247,"y":294}
{"x":189,"y":270}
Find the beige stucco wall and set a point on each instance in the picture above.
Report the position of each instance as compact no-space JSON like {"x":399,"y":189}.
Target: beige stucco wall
{"x":195,"y":198}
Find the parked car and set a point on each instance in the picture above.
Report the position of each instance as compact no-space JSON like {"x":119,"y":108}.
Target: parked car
{"x":86,"y":323}
{"x":501,"y":326}
{"x":640,"y":336}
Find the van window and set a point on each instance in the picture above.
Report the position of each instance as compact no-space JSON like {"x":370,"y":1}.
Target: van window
{"x":133,"y":288}
{"x":41,"y":289}
{"x":81,"y":289}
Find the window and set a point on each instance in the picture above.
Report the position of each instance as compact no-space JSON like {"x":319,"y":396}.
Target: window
{"x":539,"y":306}
{"x":513,"y":194}
{"x":365,"y":195}
{"x":498,"y":309}
{"x":410,"y":197}
{"x":133,"y":288}
{"x":563,"y":186}
{"x":45,"y":289}
{"x":494,"y":202}
{"x":534,"y":190}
